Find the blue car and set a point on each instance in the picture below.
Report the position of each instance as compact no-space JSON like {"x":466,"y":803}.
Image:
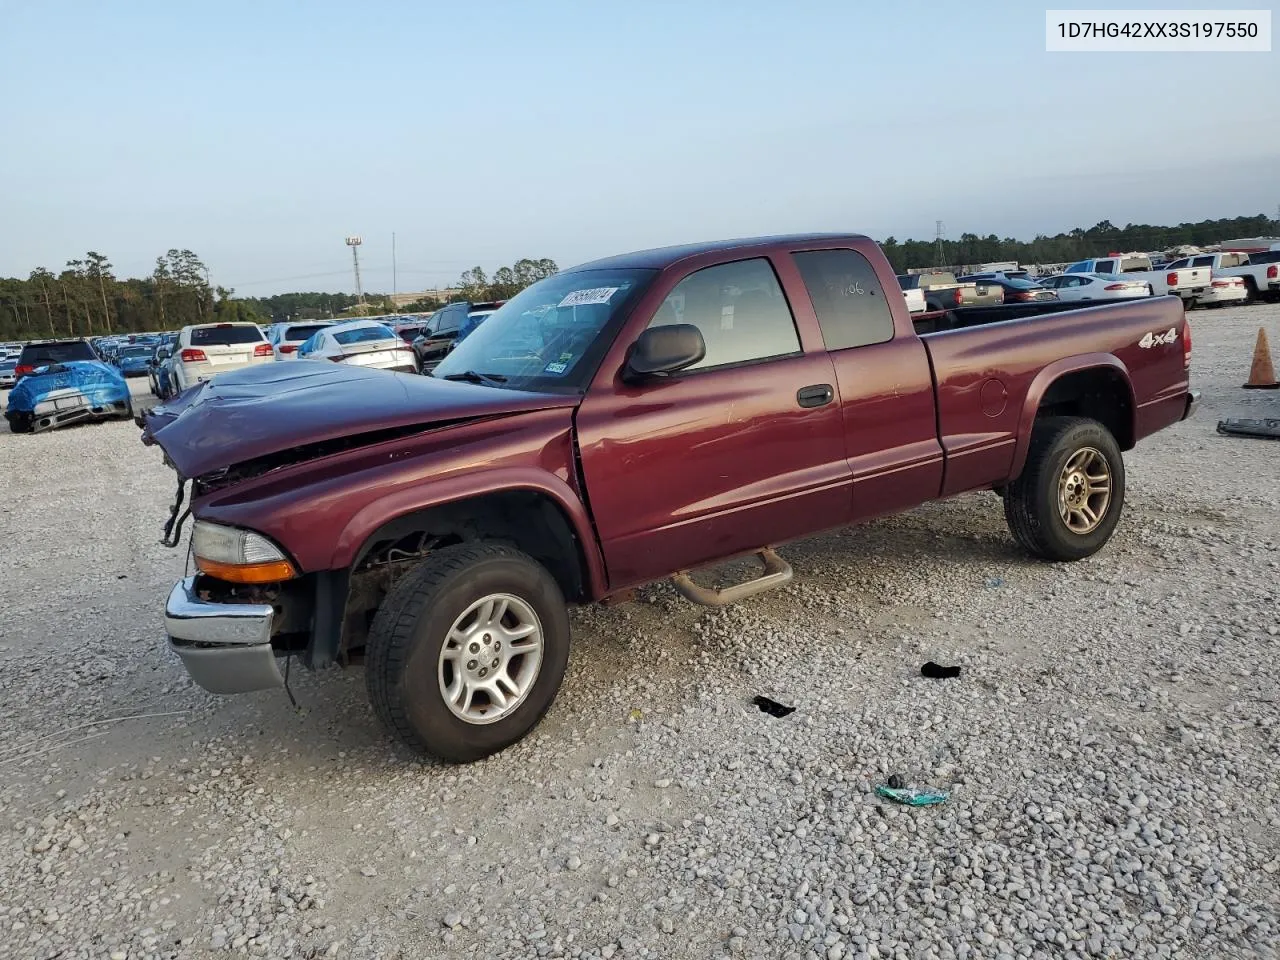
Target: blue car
{"x":133,"y":359}
{"x":63,"y":393}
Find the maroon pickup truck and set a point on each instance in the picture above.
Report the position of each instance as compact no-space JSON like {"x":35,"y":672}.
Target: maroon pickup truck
{"x":626,"y":421}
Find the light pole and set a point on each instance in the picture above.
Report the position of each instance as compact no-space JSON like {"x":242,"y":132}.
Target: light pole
{"x":354,"y":244}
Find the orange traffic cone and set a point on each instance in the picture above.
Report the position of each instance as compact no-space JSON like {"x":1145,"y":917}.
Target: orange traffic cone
{"x":1262,"y":375}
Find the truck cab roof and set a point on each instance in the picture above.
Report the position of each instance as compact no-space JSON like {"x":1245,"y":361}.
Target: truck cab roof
{"x":659,"y":258}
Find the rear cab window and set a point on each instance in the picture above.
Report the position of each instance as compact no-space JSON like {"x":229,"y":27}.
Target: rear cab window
{"x":363,"y":335}
{"x":299,"y":332}
{"x":43,"y":354}
{"x":225,"y":336}
{"x":847,"y":298}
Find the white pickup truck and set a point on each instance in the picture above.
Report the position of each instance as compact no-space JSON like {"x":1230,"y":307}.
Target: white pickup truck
{"x":1188,"y":284}
{"x":1259,"y":271}
{"x":915,"y":300}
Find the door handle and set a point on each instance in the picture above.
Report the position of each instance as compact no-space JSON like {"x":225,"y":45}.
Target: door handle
{"x":818,"y":395}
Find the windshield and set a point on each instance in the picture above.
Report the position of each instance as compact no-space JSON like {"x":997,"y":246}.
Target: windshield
{"x":136,"y":352}
{"x":551,"y":335}
{"x":363,"y":334}
{"x":1020,"y":284}
{"x":8,"y":366}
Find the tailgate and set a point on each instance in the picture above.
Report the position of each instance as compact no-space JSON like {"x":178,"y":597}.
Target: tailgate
{"x":1192,"y":278}
{"x":228,"y":354}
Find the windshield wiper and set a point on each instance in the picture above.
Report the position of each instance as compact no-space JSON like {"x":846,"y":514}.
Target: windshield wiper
{"x":472,"y":376}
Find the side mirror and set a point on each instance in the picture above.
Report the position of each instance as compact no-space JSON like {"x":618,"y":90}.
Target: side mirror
{"x":662,"y":351}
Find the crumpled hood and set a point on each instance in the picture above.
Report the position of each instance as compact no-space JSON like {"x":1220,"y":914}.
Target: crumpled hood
{"x":273,"y":407}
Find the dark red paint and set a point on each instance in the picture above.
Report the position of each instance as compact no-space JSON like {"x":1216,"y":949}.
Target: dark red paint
{"x":699,"y":468}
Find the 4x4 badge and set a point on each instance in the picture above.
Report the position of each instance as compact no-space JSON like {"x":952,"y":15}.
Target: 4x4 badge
{"x":1157,"y":339}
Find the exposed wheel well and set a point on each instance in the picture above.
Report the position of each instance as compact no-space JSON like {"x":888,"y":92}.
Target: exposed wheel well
{"x":1100,"y":393}
{"x":527,"y":520}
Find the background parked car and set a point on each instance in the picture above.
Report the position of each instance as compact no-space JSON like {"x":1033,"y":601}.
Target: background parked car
{"x":915,"y":300}
{"x":134,"y":359}
{"x":409,"y":330}
{"x":1096,"y":286}
{"x":41,"y":353}
{"x":942,"y":291}
{"x":7,"y":377}
{"x":1259,"y":274}
{"x":441,"y":329}
{"x":286,"y":338}
{"x":65,"y":392}
{"x":205,"y":349}
{"x":157,"y":374}
{"x":1015,"y":290}
{"x":362,"y":343}
{"x":474,"y":319}
{"x":1223,"y":291}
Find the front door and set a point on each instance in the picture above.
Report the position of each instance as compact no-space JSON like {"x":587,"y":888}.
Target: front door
{"x":741,"y":451}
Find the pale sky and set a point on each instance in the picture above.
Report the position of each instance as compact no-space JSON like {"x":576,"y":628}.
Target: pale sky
{"x":261,"y":134}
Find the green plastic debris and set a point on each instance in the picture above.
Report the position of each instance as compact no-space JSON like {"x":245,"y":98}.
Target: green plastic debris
{"x":912,"y":797}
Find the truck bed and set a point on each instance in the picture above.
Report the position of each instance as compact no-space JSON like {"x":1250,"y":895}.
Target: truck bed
{"x":992,"y":366}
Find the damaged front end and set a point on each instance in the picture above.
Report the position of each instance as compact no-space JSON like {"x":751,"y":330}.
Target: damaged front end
{"x":250,"y":603}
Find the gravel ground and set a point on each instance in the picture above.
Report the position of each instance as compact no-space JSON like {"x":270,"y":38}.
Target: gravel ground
{"x":1109,"y":748}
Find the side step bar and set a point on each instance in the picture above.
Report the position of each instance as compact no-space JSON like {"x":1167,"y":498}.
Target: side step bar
{"x":777,"y":572}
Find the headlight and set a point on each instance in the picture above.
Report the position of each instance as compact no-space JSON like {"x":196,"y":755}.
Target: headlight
{"x":240,"y":556}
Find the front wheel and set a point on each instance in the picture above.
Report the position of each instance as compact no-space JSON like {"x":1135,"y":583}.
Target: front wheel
{"x":467,"y":652}
{"x":1068,"y":499}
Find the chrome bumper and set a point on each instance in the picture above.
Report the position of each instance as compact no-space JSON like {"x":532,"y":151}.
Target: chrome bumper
{"x":226,"y":647}
{"x":1193,"y":401}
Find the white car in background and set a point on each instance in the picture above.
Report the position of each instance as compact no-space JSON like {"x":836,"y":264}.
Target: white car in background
{"x":206,"y":349}
{"x":286,"y":338}
{"x":1095,"y":286}
{"x":361,"y":343}
{"x":1223,"y":291}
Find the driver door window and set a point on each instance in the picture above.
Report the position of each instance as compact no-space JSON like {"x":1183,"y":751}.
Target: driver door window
{"x":740,"y":310}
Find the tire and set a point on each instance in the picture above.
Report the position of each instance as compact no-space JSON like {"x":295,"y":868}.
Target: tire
{"x":405,"y":661}
{"x":1032,"y":507}
{"x":1188,"y":304}
{"x":20,"y":423}
{"x":1251,"y":290}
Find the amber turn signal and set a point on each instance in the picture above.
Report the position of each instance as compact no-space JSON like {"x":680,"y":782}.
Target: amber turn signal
{"x":270,"y":572}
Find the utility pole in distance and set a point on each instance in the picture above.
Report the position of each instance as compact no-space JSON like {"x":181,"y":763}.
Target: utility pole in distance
{"x":394,"y":289}
{"x":354,"y":244}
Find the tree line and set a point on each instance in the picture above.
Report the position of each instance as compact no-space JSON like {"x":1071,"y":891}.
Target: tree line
{"x":1078,"y":244}
{"x":473,"y":285}
{"x":86,"y":298}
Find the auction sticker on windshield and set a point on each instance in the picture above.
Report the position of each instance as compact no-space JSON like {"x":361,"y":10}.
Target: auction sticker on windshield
{"x":583,"y":298}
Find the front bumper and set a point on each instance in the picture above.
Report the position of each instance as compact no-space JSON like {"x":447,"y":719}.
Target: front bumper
{"x":226,"y":647}
{"x":1193,"y":401}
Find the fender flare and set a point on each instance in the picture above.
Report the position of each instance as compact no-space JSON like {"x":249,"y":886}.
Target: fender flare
{"x":1046,"y":379}
{"x":493,"y":480}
